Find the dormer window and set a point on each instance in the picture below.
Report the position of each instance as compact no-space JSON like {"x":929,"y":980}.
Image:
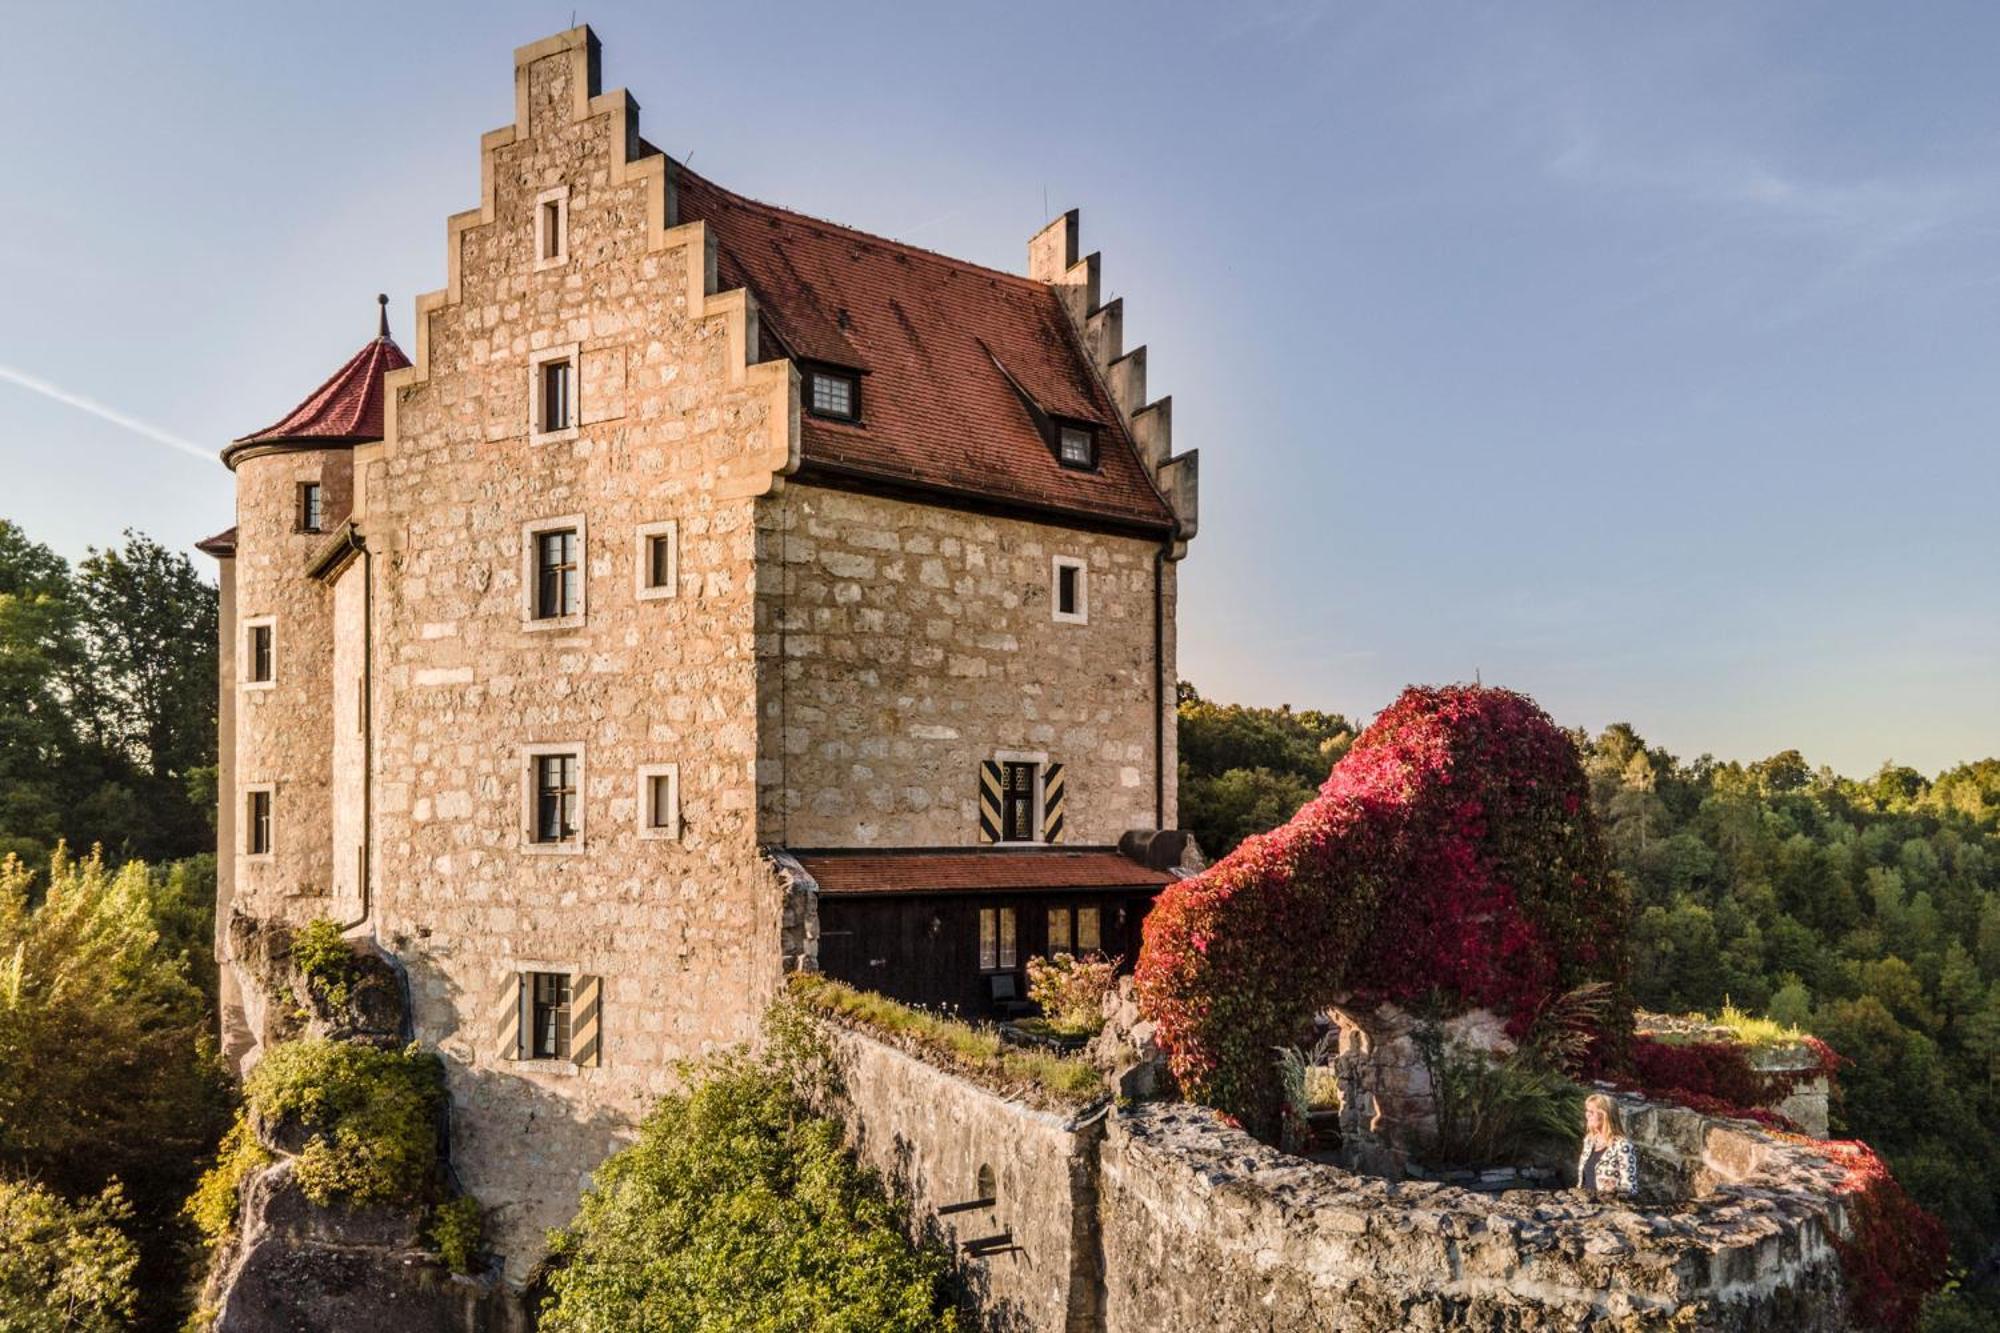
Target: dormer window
{"x":1076,"y":446}
{"x":835,"y":394}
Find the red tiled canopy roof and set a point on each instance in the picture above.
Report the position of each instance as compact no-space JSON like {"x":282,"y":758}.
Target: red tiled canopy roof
{"x":844,"y":873}
{"x":930,"y":336}
{"x":222,"y":544}
{"x":347,"y":409}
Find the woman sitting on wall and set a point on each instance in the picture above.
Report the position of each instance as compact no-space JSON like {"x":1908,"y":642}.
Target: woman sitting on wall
{"x":1609,"y":1163}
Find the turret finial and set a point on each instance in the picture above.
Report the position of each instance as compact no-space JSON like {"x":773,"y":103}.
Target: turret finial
{"x":382,"y":299}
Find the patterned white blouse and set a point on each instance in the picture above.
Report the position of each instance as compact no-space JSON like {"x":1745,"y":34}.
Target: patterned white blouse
{"x":1613,"y":1169}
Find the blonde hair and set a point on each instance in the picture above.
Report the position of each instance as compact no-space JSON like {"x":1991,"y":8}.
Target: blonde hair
{"x":1614,"y":1123}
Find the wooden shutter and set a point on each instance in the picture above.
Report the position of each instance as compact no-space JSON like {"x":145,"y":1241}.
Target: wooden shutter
{"x":1052,"y":803}
{"x":507,"y":1025}
{"x":586,"y":1027}
{"x":989,"y":800}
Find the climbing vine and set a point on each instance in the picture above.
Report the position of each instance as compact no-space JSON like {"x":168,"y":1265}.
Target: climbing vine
{"x":1451,"y":851}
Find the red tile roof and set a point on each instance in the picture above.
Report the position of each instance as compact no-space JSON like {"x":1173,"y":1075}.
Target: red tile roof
{"x":347,"y":409}
{"x":220,"y":545}
{"x":844,"y":873}
{"x":931,"y":335}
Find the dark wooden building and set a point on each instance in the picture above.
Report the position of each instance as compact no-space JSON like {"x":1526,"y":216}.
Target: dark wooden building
{"x":954,"y":929}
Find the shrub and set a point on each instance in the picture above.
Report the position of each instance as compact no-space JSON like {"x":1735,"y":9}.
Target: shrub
{"x":324,"y":959}
{"x":212,"y":1207}
{"x":1491,"y":1112}
{"x":1452,"y":848}
{"x":65,"y":1267}
{"x":370,"y":1117}
{"x":458,"y":1229}
{"x":739,"y":1209}
{"x":1071,"y":991}
{"x":977,"y":1052}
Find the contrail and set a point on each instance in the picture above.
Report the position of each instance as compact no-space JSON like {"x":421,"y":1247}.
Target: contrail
{"x":97,"y":409}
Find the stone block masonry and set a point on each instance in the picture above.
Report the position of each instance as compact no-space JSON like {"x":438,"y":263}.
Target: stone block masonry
{"x":1158,"y":1217}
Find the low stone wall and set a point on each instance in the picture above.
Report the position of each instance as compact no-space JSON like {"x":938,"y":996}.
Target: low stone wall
{"x":1205,"y":1228}
{"x":1009,"y":1188}
{"x":1159,"y":1217}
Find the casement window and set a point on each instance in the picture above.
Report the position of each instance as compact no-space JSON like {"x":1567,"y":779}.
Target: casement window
{"x":1076,"y":445}
{"x":550,"y":1013}
{"x":656,"y":572}
{"x":260,"y":652}
{"x":548,"y":1016}
{"x":998,"y":947}
{"x":257,"y":821}
{"x":1089,"y":930}
{"x":554,"y":393}
{"x":552,"y":227}
{"x":1021,"y":799}
{"x":556,"y":803}
{"x":312,"y":514}
{"x":556,"y":581}
{"x":553,"y":554}
{"x":1061,"y":938}
{"x":1070,"y":594}
{"x":835,"y":394}
{"x":660,"y":801}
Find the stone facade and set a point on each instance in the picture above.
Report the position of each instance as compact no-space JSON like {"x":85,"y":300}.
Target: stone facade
{"x":904,"y":643}
{"x":826,"y":667}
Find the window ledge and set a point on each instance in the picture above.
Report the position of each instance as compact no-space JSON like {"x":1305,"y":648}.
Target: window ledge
{"x":559,"y":1068}
{"x":574,"y":847}
{"x":536,"y":626}
{"x":553,"y":436}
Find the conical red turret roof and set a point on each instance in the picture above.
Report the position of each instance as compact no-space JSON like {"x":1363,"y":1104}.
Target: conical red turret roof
{"x":347,"y":408}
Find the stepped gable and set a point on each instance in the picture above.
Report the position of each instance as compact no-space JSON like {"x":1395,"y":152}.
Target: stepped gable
{"x":937,"y":342}
{"x":347,"y":409}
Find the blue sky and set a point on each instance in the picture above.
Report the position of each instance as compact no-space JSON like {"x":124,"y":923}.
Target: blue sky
{"x":1644,"y":358}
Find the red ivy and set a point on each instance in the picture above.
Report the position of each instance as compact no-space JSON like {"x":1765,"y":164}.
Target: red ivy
{"x":1894,"y":1253}
{"x":1451,"y":850}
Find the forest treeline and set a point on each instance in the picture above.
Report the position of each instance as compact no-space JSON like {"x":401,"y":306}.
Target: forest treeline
{"x":1865,"y":911}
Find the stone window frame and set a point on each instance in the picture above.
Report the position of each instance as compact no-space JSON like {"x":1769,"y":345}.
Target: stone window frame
{"x":647,"y":773}
{"x":572,"y":353}
{"x":559,"y":196}
{"x":248,"y":625}
{"x":270,"y":791}
{"x":1039,"y":759}
{"x":522,"y":969}
{"x":642,"y":564}
{"x":1057,"y":564}
{"x":311,"y":496}
{"x":529,"y":793}
{"x":531,"y":531}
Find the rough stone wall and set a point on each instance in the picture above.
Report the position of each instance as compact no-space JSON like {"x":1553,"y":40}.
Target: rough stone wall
{"x":930,"y":1134}
{"x":346,"y":706}
{"x":900,"y":644}
{"x":1283,"y":1244}
{"x":684,"y":933}
{"x":284,"y":735}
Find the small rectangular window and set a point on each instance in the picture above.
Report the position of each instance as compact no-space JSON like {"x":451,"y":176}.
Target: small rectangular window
{"x":260,"y":663}
{"x":833,"y":395}
{"x":548,"y":1016}
{"x":311,"y":514}
{"x":997,"y":949}
{"x":1070,"y":598}
{"x":1089,"y":929}
{"x":552,"y":229}
{"x":658,"y":568}
{"x":660,"y":801}
{"x":555,"y":798}
{"x":555,"y":574}
{"x":1060,"y":940}
{"x":1017,"y":802}
{"x":1077,"y":446}
{"x":556,"y":396}
{"x":259,"y":821}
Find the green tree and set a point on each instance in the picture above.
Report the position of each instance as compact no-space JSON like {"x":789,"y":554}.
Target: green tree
{"x":65,"y":1267}
{"x":739,"y":1211}
{"x":150,"y":624}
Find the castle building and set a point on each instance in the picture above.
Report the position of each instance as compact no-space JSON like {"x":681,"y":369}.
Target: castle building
{"x":712,"y":591}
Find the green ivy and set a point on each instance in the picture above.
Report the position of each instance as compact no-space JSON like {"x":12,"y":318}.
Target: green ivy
{"x":324,"y":959}
{"x":458,"y":1230}
{"x":212,"y":1207}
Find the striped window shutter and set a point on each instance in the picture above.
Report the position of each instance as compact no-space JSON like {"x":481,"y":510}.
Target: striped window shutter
{"x":508,"y":1002}
{"x":586,"y":1044}
{"x":1052,"y":803}
{"x":989,"y":800}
